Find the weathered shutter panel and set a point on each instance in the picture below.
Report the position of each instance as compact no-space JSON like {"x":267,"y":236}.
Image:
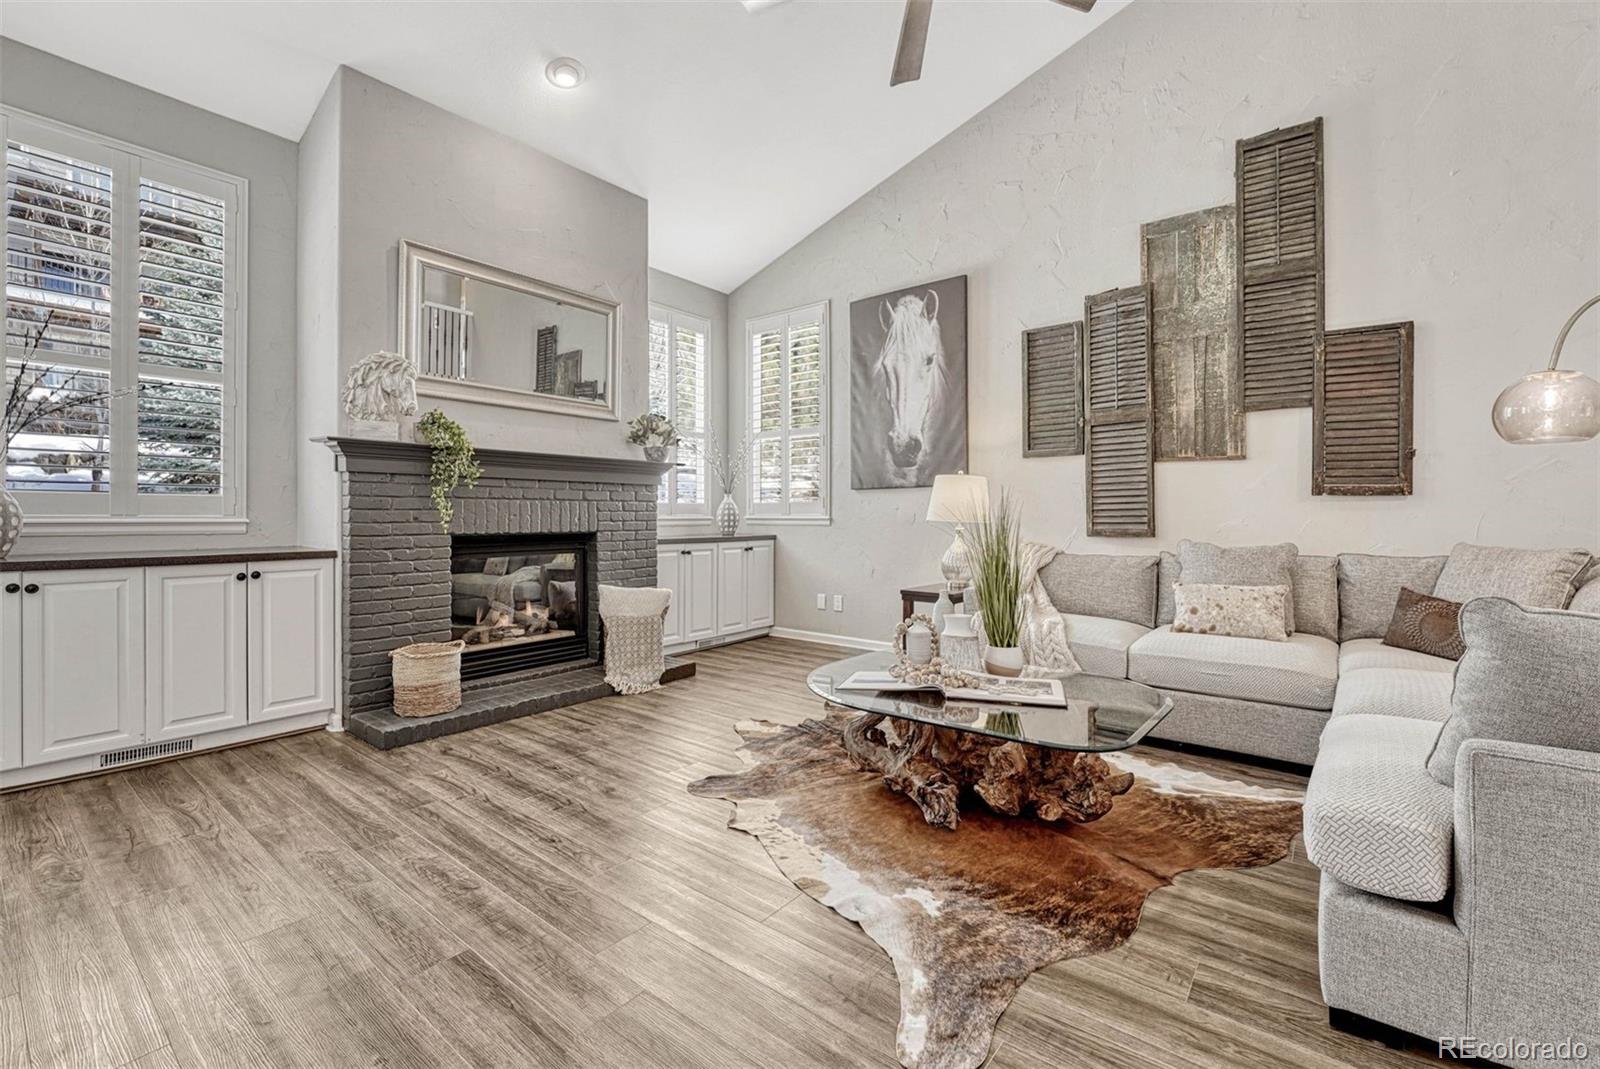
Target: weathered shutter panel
{"x":1119,"y":475}
{"x":1279,"y":178}
{"x":1362,"y":412}
{"x":1190,"y":263}
{"x":1052,"y":391}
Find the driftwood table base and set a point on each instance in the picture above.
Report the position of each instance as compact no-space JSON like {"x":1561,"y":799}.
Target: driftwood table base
{"x":933,"y":766}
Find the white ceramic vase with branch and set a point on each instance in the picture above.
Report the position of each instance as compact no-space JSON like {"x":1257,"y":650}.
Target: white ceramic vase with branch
{"x":728,"y":467}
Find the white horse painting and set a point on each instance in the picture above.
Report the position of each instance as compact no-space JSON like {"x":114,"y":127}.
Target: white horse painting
{"x":908,"y":382}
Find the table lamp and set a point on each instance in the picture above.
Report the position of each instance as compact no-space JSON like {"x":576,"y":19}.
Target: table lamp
{"x":1550,"y":406}
{"x":958,"y":500}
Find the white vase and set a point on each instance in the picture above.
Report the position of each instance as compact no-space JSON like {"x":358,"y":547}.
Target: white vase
{"x":728,"y":516}
{"x":919,"y":644}
{"x":1003,"y":660}
{"x":10,"y":523}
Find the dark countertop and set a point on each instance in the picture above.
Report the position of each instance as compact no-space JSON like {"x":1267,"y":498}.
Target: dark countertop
{"x":54,"y":562}
{"x":686,"y":540}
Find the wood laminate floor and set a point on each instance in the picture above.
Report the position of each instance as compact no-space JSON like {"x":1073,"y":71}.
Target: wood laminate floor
{"x":545,"y":893}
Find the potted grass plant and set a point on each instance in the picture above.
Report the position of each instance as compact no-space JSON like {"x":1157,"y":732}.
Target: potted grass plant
{"x":994,"y":550}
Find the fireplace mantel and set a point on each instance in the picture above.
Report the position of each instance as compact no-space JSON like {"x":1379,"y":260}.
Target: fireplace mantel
{"x":374,"y":455}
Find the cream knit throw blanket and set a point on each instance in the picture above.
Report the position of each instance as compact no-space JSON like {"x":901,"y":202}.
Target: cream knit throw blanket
{"x":1044,"y":630}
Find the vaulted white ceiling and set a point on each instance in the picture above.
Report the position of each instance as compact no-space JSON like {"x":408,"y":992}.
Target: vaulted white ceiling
{"x":745,"y":131}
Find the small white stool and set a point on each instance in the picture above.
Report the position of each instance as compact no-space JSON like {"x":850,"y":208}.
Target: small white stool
{"x":633,"y":618}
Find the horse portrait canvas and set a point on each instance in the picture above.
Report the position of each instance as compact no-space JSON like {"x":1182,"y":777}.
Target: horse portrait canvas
{"x":908,"y":385}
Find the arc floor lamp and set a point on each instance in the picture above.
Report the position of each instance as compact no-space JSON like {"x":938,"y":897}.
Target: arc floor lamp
{"x":1552,"y":405}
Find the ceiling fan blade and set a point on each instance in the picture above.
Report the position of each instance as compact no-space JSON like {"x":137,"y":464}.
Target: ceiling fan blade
{"x":1080,"y":5}
{"x":913,"y":40}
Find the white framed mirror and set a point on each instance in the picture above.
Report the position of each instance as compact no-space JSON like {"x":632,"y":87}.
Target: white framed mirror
{"x":481,"y":333}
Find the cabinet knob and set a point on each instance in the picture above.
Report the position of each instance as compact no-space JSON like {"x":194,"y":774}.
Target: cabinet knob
{"x":12,"y":588}
{"x":31,"y":588}
{"x":255,"y":575}
{"x":240,"y":577}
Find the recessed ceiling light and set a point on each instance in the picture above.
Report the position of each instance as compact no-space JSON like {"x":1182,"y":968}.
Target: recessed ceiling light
{"x":564,"y":73}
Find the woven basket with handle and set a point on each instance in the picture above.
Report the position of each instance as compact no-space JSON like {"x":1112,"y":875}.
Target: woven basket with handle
{"x":427,"y":678}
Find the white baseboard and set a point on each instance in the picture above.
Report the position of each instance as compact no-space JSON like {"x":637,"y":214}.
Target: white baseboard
{"x":827,"y":639}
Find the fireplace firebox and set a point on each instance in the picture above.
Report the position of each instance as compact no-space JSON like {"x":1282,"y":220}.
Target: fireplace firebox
{"x":519,"y":601}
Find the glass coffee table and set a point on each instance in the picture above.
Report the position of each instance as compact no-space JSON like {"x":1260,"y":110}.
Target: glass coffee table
{"x":1016,"y":758}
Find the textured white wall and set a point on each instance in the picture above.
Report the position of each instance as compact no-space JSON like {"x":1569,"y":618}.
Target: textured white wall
{"x":53,"y":87}
{"x":1462,"y":179}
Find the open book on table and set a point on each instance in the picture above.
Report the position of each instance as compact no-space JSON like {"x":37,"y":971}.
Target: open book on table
{"x":989,"y":688}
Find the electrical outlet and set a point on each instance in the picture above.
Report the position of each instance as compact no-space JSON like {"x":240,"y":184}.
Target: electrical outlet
{"x":822,"y":602}
{"x":838,"y":603}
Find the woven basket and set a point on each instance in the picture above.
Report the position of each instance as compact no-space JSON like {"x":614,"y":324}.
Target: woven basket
{"x":427,"y":678}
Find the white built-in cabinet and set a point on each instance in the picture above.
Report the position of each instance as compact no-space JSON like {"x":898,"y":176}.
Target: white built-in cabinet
{"x":721,"y":591}
{"x":105,"y":666}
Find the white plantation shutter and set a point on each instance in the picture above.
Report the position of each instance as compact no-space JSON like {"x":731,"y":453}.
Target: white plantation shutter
{"x":678,"y":343}
{"x":788,"y":356}
{"x":136,"y":260}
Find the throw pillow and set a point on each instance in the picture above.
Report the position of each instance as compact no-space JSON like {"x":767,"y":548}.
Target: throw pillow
{"x":1103,"y":584}
{"x":1527,"y":676}
{"x":1587,"y":599}
{"x":1316,"y":596}
{"x":1369,"y":583}
{"x":1426,"y":624}
{"x":1535,"y":578}
{"x":1166,"y":576}
{"x":1236,"y":611}
{"x":1202,"y":562}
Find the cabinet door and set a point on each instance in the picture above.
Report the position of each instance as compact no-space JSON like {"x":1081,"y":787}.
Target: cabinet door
{"x":731,"y":586}
{"x":758,"y":585}
{"x":11,"y":671}
{"x":194,"y":649}
{"x":82,"y":662}
{"x":669,"y":575}
{"x":291,"y":638}
{"x":700,"y":593}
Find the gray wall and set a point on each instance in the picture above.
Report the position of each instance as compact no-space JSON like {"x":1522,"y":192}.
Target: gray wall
{"x":405,"y":169}
{"x":671,"y":291}
{"x":1461,"y":193}
{"x":47,"y":85}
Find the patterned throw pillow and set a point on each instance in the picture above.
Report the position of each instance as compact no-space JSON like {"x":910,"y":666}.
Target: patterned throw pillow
{"x":1237,"y":611}
{"x":1426,"y":624}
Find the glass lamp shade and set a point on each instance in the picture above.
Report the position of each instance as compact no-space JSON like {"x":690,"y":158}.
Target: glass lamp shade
{"x":1548,"y":407}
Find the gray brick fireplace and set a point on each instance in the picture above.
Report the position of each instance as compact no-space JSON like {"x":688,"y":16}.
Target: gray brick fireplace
{"x":396,"y":559}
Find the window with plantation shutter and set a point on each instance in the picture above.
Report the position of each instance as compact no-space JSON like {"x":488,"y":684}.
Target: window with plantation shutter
{"x":788,"y":356}
{"x":678,"y":391}
{"x":123,"y":327}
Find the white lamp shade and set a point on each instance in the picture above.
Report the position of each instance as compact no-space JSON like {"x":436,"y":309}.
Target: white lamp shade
{"x":1547,"y":407}
{"x":959,"y":499}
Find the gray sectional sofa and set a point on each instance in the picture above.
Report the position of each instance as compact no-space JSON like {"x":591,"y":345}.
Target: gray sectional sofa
{"x":1470,"y":910}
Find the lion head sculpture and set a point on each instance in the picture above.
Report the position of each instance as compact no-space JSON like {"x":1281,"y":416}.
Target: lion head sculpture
{"x":381,"y":387}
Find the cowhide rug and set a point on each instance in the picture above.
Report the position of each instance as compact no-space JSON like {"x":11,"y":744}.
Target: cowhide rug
{"x":968,"y":915}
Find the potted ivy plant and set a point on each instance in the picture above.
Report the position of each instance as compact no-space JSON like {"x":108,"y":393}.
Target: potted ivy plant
{"x":995,"y":551}
{"x":454,"y":461}
{"x":655,"y":433}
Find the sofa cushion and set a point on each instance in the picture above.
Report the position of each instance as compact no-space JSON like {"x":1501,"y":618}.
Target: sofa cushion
{"x":1372,"y":653}
{"x":1203,"y":562}
{"x":1373,"y":817}
{"x":1528,"y":676}
{"x":1103,"y":584}
{"x":1369,"y":587}
{"x":1316,"y":596}
{"x":1301,"y":672}
{"x":1417,"y":694}
{"x":1101,"y":644}
{"x":1587,"y":599}
{"x":1166,"y":578}
{"x":1534,"y":578}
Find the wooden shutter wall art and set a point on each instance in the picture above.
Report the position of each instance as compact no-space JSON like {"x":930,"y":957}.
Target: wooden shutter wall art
{"x":1190,"y":263}
{"x":1119,"y":474}
{"x":1362,"y":412}
{"x":1279,"y":180}
{"x":1052,"y":391}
